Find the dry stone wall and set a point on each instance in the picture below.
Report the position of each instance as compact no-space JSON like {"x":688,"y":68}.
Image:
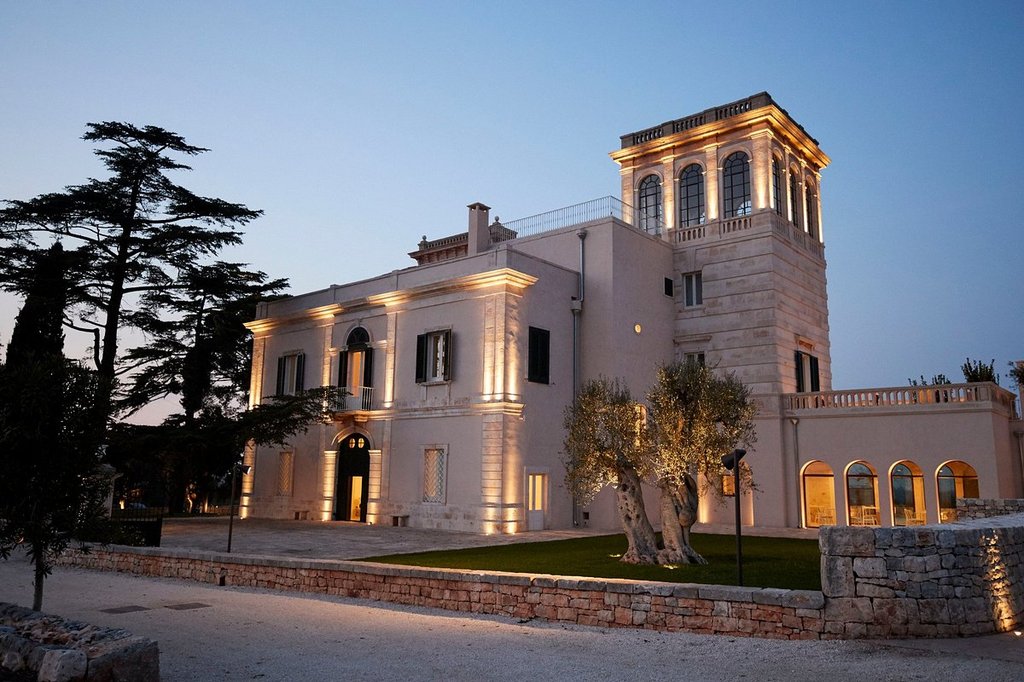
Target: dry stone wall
{"x":950,"y":580}
{"x":969,"y":508}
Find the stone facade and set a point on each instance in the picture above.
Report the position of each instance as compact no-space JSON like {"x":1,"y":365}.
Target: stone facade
{"x":982,"y":509}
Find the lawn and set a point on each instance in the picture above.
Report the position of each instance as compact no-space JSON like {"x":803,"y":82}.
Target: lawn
{"x":767,"y":562}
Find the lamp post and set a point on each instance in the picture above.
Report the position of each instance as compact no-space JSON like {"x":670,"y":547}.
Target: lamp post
{"x":732,"y":463}
{"x":235,"y":468}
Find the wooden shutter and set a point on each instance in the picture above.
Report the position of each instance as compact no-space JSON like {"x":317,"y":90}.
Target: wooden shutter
{"x":799,"y":372}
{"x":368,"y":367}
{"x":815,"y":381}
{"x":300,"y":371}
{"x":421,"y":358}
{"x":449,"y":355}
{"x":280,"y":375}
{"x":343,"y":369}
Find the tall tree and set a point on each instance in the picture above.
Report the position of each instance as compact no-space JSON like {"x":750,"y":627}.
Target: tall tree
{"x":697,"y":414}
{"x":978,"y":371}
{"x":51,"y":487}
{"x":605,"y":444}
{"x":134,"y":234}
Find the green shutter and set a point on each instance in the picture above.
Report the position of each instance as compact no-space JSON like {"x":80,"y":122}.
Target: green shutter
{"x":421,"y":358}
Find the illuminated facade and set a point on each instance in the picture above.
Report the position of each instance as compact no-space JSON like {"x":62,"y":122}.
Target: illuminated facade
{"x":459,"y":368}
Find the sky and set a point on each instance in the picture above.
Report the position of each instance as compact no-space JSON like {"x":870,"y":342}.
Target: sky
{"x":359,"y":127}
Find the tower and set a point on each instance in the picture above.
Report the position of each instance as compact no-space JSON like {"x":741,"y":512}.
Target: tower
{"x":738,"y":189}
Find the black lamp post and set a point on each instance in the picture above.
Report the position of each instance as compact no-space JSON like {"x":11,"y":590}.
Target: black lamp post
{"x":732,"y":463}
{"x":235,"y":468}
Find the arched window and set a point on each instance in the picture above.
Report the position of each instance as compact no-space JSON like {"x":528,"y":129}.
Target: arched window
{"x":819,"y":495}
{"x":650,"y":204}
{"x":736,"y":185}
{"x":907,"y":495}
{"x":776,"y":186}
{"x":862,"y":495}
{"x":955,"y":480}
{"x":355,"y":370}
{"x":812,"y":212}
{"x":691,"y":196}
{"x":794,"y":197}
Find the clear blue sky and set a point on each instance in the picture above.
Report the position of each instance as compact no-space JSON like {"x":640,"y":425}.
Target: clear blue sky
{"x":359,"y":127}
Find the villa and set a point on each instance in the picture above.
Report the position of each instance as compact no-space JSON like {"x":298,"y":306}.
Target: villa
{"x":459,"y":367}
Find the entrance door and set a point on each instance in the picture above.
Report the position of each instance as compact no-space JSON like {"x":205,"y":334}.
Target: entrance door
{"x":353,"y":479}
{"x":535,"y":504}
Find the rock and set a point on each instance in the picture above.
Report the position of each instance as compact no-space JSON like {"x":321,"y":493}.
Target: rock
{"x":62,"y":665}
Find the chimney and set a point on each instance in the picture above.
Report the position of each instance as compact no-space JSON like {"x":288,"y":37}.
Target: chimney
{"x":479,"y":232}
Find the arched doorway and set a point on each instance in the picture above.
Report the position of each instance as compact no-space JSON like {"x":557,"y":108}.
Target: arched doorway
{"x":862,"y":494}
{"x":955,"y":480}
{"x":907,"y":494}
{"x":353,"y":483}
{"x":819,"y":495}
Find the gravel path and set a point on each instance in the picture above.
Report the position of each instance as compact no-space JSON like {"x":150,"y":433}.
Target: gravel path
{"x":243,"y":634}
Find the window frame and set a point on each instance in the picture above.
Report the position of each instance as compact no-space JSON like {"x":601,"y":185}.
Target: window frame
{"x":440,"y":495}
{"x":736,"y":174}
{"x":291,"y":371}
{"x":434,"y":364}
{"x":650,"y":189}
{"x":693,"y":289}
{"x":692,"y":177}
{"x":776,"y":185}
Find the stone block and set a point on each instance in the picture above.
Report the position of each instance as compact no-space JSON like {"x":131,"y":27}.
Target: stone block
{"x":837,"y":578}
{"x":869,"y":567}
{"x":873,"y":590}
{"x":804,"y":599}
{"x":846,"y":541}
{"x":933,"y":611}
{"x":62,"y":665}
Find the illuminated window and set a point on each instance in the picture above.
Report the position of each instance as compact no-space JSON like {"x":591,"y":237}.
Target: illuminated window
{"x":650,"y":204}
{"x":812,"y":212}
{"x":862,"y":495}
{"x":434,"y":356}
{"x":776,"y":186}
{"x":539,"y":359}
{"x":693,"y":289}
{"x":907,"y":495}
{"x":435,"y":469}
{"x":794,"y":197}
{"x":819,"y":495}
{"x":736,"y":185}
{"x":290,"y":370}
{"x":807,"y":373}
{"x":691,"y":196}
{"x":956,"y":480}
{"x":355,"y":369}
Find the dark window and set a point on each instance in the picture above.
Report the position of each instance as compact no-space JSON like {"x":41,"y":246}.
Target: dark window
{"x":670,"y":288}
{"x":691,"y":196}
{"x":650,"y":204}
{"x":736,"y":185}
{"x":434,"y":356}
{"x":539,"y":361}
{"x":694,"y":358}
{"x":807,"y":378}
{"x":290,"y":371}
{"x":693,"y":289}
{"x":776,"y":186}
{"x":794,"y":197}
{"x":812,"y":212}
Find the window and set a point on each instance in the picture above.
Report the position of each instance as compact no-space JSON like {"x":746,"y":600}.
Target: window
{"x":694,"y":358}
{"x":794,"y":197}
{"x":693,"y":289}
{"x":539,"y":360}
{"x":691,"y":196}
{"x":907,"y":495}
{"x":284,"y":473}
{"x":861,"y":495}
{"x":807,"y":378}
{"x":355,"y":368}
{"x":955,"y":480}
{"x":670,"y":287}
{"x":290,"y":370}
{"x":812,"y":212}
{"x":434,"y":356}
{"x":650,"y":204}
{"x":819,"y":495}
{"x":435,"y":469}
{"x":776,"y":186}
{"x":736,"y":185}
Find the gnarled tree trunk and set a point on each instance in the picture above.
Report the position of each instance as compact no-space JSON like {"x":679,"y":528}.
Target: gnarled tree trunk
{"x":678,"y":514}
{"x":643,"y":545}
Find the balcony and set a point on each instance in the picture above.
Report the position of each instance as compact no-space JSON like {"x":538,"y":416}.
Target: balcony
{"x":361,"y":399}
{"x":760,"y":222}
{"x":903,"y":397}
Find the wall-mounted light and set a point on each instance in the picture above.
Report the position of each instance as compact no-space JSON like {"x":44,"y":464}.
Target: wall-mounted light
{"x":637,"y":328}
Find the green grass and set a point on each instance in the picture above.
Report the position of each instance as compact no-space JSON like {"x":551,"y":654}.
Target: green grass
{"x":767,"y":562}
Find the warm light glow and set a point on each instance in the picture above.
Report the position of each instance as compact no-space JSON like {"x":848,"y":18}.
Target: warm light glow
{"x":329,"y":474}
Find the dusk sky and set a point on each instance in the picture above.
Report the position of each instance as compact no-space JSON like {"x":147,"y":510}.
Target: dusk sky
{"x":360,"y":127}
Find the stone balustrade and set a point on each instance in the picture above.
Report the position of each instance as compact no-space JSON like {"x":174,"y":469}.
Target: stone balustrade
{"x":902,"y":397}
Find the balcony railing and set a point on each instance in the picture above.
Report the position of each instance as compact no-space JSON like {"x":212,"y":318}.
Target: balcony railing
{"x":360,"y":399}
{"x":903,"y":396}
{"x":577,"y":214}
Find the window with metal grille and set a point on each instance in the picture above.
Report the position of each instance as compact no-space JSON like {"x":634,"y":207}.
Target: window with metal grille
{"x":776,"y":186}
{"x":435,"y":468}
{"x":650,"y":204}
{"x":284,"y":473}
